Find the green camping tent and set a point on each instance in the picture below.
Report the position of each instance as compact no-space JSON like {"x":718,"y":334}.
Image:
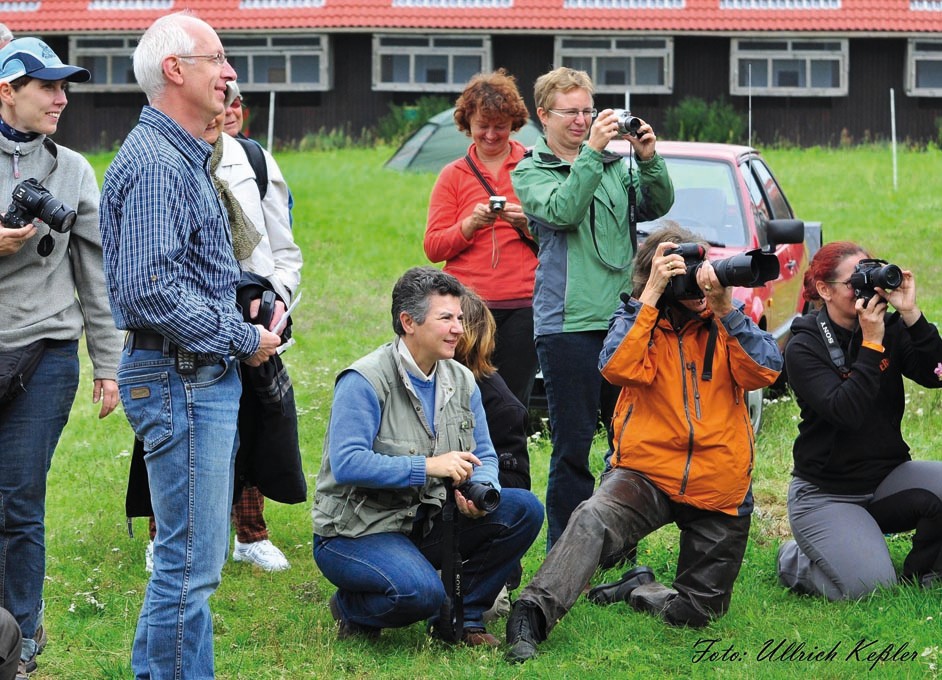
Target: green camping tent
{"x":438,"y":142}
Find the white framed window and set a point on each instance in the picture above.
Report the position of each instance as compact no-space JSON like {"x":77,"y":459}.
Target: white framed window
{"x":295,"y":62}
{"x":924,"y":68}
{"x":428,"y":63}
{"x":789,"y":67}
{"x":281,"y":63}
{"x":108,"y":59}
{"x":639,"y":64}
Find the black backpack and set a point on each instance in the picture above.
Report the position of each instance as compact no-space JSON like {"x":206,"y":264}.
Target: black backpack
{"x":253,"y":150}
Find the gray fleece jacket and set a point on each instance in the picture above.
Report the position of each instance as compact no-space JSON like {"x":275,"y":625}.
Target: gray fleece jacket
{"x":55,"y":297}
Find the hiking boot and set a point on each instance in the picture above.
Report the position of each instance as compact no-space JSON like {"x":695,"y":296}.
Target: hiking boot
{"x":149,"y":557}
{"x":525,"y":630}
{"x":477,"y":637}
{"x":347,"y":629}
{"x":264,"y":554}
{"x":620,"y":590}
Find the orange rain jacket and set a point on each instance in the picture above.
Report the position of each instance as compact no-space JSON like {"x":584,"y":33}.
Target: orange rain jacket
{"x":690,"y":436}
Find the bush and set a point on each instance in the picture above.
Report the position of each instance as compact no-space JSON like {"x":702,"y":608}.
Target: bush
{"x":694,"y":120}
{"x":402,"y":121}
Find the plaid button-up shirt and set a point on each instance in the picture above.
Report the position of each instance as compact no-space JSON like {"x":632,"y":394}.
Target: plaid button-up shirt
{"x":168,"y":256}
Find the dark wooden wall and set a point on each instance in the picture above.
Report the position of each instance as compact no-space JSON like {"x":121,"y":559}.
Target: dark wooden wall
{"x":701,"y":68}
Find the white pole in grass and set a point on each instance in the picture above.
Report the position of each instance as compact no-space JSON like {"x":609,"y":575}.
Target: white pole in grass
{"x":271,"y":121}
{"x":893,"y":134}
{"x":750,"y":104}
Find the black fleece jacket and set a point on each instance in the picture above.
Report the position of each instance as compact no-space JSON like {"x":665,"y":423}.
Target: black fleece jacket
{"x":849,"y":437}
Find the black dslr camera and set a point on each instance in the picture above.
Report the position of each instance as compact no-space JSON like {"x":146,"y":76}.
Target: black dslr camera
{"x":484,"y":496}
{"x":870,"y":273}
{"x":627,"y":124}
{"x":31,"y":201}
{"x":749,"y":270}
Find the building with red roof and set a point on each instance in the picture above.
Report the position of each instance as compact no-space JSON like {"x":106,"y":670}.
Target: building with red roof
{"x":809,"y":71}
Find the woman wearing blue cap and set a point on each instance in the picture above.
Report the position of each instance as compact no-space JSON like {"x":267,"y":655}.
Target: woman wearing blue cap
{"x":52,"y":287}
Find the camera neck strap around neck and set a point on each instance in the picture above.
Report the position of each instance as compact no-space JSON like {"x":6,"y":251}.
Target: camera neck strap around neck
{"x":831,"y":343}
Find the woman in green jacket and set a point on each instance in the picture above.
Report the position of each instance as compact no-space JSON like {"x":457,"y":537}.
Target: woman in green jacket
{"x":579,"y":198}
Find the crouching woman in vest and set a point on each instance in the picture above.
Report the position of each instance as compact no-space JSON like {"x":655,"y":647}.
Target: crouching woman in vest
{"x":405,"y":420}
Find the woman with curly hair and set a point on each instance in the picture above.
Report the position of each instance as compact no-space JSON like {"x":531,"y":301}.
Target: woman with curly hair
{"x":487,"y":246}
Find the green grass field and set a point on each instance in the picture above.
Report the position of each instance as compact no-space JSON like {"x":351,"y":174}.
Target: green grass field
{"x":360,"y":227}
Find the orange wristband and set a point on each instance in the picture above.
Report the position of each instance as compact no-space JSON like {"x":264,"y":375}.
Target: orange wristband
{"x":874,"y":346}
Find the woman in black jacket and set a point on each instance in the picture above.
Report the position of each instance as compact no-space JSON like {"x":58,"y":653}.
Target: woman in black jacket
{"x":507,"y":417}
{"x":853,"y":479}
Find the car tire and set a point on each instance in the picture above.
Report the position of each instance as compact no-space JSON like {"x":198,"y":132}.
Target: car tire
{"x":754,"y":402}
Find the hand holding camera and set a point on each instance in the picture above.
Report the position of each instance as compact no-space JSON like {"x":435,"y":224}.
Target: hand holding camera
{"x":32,"y":201}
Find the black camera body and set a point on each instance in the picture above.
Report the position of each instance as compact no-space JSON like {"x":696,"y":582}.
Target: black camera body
{"x":748,"y":270}
{"x":870,"y":273}
{"x":484,"y":496}
{"x":627,"y":124}
{"x":32,"y":201}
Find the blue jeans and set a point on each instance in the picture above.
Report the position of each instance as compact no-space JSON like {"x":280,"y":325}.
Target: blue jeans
{"x":577,"y":397}
{"x":30,"y":427}
{"x":188,"y":426}
{"x":388,"y":580}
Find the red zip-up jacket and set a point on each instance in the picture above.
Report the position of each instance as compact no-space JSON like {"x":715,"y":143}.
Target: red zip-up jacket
{"x":496,"y":262}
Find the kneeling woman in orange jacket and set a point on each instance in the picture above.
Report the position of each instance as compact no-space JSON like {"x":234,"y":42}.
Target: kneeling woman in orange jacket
{"x":684,"y":449}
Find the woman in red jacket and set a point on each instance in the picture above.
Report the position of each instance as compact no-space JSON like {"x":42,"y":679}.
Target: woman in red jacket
{"x":485,"y":244}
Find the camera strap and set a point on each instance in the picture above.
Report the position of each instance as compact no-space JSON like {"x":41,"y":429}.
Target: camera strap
{"x":831,"y":343}
{"x":531,"y":244}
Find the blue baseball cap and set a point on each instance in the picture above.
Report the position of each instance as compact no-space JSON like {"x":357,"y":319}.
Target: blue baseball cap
{"x":32,"y":57}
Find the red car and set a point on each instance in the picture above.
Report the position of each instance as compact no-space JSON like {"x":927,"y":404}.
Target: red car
{"x":727,"y":194}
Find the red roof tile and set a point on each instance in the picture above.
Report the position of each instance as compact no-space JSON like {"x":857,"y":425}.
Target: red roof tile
{"x":699,"y":16}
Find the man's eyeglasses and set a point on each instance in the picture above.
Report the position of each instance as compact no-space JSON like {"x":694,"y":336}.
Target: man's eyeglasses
{"x":571,"y":114}
{"x":847,"y":284}
{"x":219,"y":58}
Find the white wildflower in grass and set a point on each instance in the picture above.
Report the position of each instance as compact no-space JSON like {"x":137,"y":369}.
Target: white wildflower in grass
{"x":123,"y":454}
{"x":72,"y":608}
{"x":919,"y":413}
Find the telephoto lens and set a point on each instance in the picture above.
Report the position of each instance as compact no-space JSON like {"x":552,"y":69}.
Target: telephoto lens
{"x":484,"y":497}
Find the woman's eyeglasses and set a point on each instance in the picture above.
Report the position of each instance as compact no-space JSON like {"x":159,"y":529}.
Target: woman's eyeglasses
{"x":571,"y":114}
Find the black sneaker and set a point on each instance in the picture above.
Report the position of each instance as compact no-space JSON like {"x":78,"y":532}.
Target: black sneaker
{"x":608,"y":593}
{"x":525,"y":630}
{"x":347,"y":629}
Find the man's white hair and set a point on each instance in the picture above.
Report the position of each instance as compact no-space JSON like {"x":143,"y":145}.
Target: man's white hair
{"x":168,"y":35}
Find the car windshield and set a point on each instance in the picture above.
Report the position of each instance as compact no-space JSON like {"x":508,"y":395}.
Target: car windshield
{"x":705,"y":201}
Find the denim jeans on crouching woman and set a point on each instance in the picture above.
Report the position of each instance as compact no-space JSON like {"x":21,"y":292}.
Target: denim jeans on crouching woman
{"x":388,"y":580}
{"x":30,"y":426}
{"x":188,"y":426}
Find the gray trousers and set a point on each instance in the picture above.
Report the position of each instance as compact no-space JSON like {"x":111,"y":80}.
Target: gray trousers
{"x":840,"y":550}
{"x":624,"y":509}
{"x":10,"y":641}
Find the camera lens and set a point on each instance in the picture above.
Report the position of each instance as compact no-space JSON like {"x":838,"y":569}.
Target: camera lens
{"x":888,"y":278}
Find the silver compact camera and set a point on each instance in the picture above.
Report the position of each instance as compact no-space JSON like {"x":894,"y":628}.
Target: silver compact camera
{"x":627,"y":124}
{"x":497,"y":203}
